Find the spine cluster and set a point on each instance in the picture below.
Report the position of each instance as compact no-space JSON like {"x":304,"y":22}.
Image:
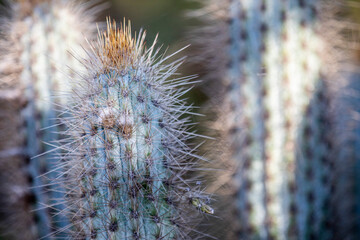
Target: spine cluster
{"x":126,"y":153}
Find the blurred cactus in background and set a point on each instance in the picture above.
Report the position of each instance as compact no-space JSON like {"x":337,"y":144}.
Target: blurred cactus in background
{"x":273,"y":66}
{"x":36,"y":39}
{"x":127,"y":154}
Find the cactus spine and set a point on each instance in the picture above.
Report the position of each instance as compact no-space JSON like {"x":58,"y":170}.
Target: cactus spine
{"x":126,"y":152}
{"x":38,"y":36}
{"x":269,"y":58}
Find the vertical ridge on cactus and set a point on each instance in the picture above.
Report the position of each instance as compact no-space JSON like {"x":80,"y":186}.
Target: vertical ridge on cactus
{"x":270,"y":58}
{"x":36,"y":39}
{"x":126,"y":152}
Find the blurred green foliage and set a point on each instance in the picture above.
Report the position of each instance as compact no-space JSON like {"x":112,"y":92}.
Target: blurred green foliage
{"x":165,"y":17}
{"x":354,"y":10}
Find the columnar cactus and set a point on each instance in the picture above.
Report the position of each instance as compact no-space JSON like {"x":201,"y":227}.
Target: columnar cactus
{"x":270,"y":58}
{"x":36,"y":40}
{"x":16,"y":220}
{"x":347,"y":190}
{"x":127,"y":154}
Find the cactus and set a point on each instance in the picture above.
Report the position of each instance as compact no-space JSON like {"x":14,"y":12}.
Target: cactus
{"x":271,"y":60}
{"x":36,"y":39}
{"x":126,"y":152}
{"x":346,"y":197}
{"x":14,"y":194}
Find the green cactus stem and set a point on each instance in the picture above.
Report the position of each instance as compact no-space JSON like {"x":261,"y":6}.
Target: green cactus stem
{"x":127,"y":154}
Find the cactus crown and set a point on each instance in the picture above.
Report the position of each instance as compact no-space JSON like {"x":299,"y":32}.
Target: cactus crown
{"x":117,"y":48}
